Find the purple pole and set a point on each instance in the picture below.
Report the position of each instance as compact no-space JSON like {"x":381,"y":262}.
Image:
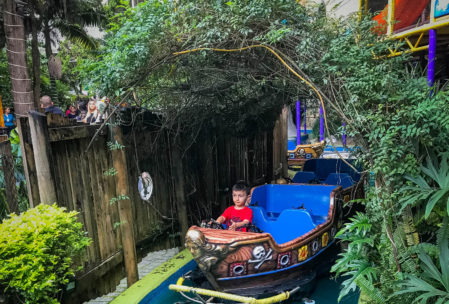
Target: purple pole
{"x":305,"y":118}
{"x":321,"y":124}
{"x":298,"y":122}
{"x":344,"y":134}
{"x":431,"y":60}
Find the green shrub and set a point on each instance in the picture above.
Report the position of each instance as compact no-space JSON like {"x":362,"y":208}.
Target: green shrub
{"x":36,"y":252}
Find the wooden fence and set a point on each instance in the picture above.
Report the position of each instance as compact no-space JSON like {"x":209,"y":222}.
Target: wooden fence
{"x":190,"y":182}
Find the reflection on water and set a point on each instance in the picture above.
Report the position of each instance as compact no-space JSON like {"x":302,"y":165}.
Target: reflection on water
{"x":326,"y":292}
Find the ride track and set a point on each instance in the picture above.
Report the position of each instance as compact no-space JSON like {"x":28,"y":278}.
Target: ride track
{"x":289,"y":68}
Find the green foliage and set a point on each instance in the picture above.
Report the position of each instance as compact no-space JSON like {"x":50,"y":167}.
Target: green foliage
{"x":71,"y":54}
{"x":434,"y":194}
{"x":216,"y":89}
{"x":37,"y":249}
{"x":433,"y":283}
{"x":19,"y":174}
{"x":117,"y":198}
{"x":110,"y":172}
{"x":5,"y":81}
{"x":69,"y":17}
{"x":355,"y":262}
{"x":127,"y":47}
{"x":114,"y":145}
{"x":389,"y":111}
{"x":60,"y":89}
{"x":116,"y":12}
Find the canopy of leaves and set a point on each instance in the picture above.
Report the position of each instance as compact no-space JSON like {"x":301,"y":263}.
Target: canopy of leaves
{"x":240,"y":87}
{"x":5,"y":81}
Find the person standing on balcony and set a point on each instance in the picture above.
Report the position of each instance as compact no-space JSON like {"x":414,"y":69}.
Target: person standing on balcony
{"x":49,"y":107}
{"x":9,"y":119}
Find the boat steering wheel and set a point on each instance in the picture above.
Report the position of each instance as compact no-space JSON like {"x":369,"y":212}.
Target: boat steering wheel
{"x":212,"y":224}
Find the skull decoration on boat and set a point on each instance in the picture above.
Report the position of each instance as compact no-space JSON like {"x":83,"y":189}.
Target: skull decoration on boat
{"x":260,"y":255}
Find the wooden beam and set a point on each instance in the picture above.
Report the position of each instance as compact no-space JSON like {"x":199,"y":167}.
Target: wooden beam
{"x":284,"y":140}
{"x":42,"y":156}
{"x":280,"y":166}
{"x":56,"y":120}
{"x":125,"y":208}
{"x":28,"y":161}
{"x":72,"y":132}
{"x":391,"y":16}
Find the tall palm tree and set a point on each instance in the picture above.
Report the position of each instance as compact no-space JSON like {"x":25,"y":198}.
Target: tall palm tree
{"x":18,"y":70}
{"x":16,"y":52}
{"x":61,"y":18}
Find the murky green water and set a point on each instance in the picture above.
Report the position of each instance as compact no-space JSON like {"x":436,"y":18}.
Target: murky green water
{"x":325,"y":292}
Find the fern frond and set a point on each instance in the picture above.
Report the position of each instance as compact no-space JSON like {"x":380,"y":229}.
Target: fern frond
{"x":443,"y":232}
{"x":370,"y":290}
{"x":432,"y":284}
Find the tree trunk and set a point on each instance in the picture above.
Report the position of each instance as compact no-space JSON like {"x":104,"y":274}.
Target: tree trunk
{"x":16,"y":50}
{"x":36,"y":58}
{"x":48,"y":54}
{"x":20,"y":79}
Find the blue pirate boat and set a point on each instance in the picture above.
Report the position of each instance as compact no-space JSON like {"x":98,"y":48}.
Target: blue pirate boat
{"x":295,"y":241}
{"x":333,"y":172}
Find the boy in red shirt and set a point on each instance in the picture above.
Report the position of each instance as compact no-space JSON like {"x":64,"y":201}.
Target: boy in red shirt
{"x":237,"y":216}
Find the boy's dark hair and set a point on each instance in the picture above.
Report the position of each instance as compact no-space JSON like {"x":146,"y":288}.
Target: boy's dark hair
{"x":241,"y":186}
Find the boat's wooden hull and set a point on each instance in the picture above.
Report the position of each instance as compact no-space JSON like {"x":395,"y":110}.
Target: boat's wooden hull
{"x":253,"y":263}
{"x":287,"y":279}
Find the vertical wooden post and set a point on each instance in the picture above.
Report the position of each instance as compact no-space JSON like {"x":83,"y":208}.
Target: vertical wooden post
{"x":8,"y":172}
{"x":178,"y":184}
{"x":432,"y":11}
{"x":125,"y":208}
{"x":391,"y":13}
{"x":42,"y":157}
{"x":284,"y":140}
{"x":28,"y":161}
{"x":280,"y":137}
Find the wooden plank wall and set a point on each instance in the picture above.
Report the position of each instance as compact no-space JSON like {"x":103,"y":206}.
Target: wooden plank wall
{"x":211,"y":165}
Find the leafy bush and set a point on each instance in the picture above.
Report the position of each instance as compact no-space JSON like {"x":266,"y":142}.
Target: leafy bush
{"x":355,"y":262}
{"x":435,"y":194}
{"x":19,"y":175}
{"x":36,"y":252}
{"x":432,"y":284}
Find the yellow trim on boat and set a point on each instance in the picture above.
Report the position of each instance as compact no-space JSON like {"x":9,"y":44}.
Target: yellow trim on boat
{"x":227,"y":296}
